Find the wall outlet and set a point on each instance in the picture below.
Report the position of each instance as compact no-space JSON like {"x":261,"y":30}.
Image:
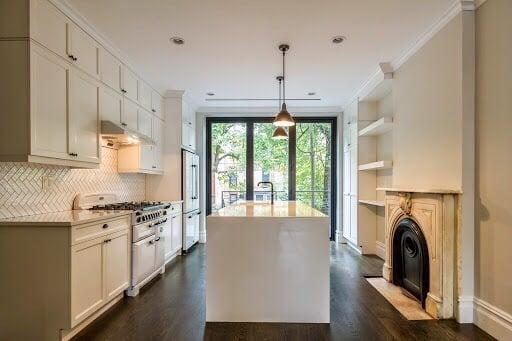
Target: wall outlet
{"x":48,"y":182}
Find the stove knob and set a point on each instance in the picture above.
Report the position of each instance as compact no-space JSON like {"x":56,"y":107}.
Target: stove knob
{"x":138,"y":219}
{"x":144,"y":218}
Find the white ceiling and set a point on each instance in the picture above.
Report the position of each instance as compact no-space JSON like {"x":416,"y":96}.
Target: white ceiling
{"x":231,"y":45}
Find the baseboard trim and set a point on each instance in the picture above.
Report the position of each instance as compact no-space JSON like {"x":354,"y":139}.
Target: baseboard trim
{"x":353,"y":246}
{"x":492,"y":319}
{"x":380,"y":249}
{"x":465,"y":307}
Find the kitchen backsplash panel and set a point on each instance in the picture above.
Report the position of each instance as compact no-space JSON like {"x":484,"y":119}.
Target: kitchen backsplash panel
{"x":27,"y":188}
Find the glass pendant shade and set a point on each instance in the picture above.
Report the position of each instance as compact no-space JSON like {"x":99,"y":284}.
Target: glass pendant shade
{"x":280,"y":134}
{"x":284,"y":118}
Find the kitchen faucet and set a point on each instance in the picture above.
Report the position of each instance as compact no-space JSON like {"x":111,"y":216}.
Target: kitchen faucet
{"x":271,"y":189}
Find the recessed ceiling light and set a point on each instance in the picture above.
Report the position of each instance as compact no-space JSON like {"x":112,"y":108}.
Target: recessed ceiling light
{"x":177,"y":40}
{"x":311,"y":93}
{"x":210,"y":94}
{"x":338,"y":39}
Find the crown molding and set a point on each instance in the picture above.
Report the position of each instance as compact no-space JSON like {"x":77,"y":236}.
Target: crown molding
{"x":456,"y":7}
{"x":267,"y":111}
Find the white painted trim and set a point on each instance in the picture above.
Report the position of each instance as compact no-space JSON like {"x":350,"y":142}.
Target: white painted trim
{"x":269,"y":111}
{"x":380,"y":249}
{"x":492,"y":319}
{"x":479,"y":3}
{"x":202,"y":237}
{"x":354,"y":247}
{"x":377,"y":76}
{"x":464,"y":312}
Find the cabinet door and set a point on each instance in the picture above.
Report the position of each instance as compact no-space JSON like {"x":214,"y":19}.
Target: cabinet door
{"x":130,"y":115}
{"x":145,"y":122}
{"x":176,"y":223}
{"x":353,"y":169}
{"x":117,"y":264}
{"x":160,"y":247}
{"x":346,"y":216}
{"x":143,"y":259}
{"x":129,"y":83}
{"x":166,"y":238}
{"x":146,"y":157}
{"x":49,"y":77}
{"x":158,"y":137}
{"x":110,"y":105}
{"x":156,"y":104}
{"x":145,"y":95}
{"x":87,"y":291}
{"x":196,"y":226}
{"x":185,"y":138}
{"x":346,"y":172}
{"x":84,"y":144}
{"x":49,"y":26}
{"x":84,"y":51}
{"x":353,"y":218}
{"x":110,"y":70}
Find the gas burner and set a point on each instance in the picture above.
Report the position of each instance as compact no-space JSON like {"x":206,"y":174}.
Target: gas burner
{"x":132,"y":206}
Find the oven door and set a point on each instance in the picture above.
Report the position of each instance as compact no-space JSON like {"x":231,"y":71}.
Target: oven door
{"x":143,"y":259}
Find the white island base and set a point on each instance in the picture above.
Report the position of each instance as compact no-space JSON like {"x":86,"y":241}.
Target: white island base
{"x":267,"y":264}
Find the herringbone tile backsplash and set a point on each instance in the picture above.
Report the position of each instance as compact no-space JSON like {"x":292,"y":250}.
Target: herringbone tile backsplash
{"x":27,"y":189}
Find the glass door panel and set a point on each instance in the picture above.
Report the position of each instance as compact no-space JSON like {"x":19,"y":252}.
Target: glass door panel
{"x":270,"y":163}
{"x":313,"y":165}
{"x":228,"y":164}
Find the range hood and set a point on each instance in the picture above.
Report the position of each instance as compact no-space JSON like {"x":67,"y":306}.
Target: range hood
{"x":123,"y":135}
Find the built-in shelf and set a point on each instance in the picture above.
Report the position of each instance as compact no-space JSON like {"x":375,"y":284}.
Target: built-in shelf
{"x":383,"y":164}
{"x":372,"y":202}
{"x":381,"y":126}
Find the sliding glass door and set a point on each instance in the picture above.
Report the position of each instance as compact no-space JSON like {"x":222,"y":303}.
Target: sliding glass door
{"x":242,"y":153}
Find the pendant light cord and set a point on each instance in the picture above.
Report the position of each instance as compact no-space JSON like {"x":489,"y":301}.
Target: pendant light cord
{"x":284,"y":80}
{"x":280,"y":80}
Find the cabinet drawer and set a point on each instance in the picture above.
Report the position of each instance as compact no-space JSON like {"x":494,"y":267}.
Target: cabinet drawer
{"x":82,"y":233}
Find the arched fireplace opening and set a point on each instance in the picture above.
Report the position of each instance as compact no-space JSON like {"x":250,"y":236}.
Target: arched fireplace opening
{"x":410,"y":259}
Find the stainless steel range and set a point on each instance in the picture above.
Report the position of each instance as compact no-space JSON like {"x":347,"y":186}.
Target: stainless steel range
{"x":149,"y":219}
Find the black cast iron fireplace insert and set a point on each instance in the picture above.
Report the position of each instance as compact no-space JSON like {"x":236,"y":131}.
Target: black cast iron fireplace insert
{"x":410,"y":260}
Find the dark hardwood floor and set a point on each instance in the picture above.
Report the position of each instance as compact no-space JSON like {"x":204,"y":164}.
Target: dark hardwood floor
{"x":172,"y":307}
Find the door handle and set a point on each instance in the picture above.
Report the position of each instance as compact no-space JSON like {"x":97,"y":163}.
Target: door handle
{"x":105,"y":226}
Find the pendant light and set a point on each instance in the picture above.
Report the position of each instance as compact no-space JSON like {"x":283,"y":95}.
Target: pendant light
{"x":284,"y":118}
{"x":280,"y":133}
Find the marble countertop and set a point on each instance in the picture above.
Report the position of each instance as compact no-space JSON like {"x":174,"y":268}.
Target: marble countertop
{"x":64,"y":218}
{"x":419,"y":190}
{"x":280,"y":209}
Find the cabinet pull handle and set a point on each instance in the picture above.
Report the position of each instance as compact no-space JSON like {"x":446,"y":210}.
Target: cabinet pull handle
{"x":105,"y":226}
{"x":107,"y":240}
{"x":153,"y":166}
{"x":157,"y":239}
{"x":153,"y":110}
{"x":73,"y":154}
{"x":189,"y":217}
{"x":123,"y":91}
{"x":71,"y":57}
{"x":124,"y":124}
{"x":75,"y":58}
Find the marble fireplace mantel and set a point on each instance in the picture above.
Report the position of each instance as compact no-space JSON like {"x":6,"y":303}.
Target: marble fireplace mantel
{"x":436,"y":213}
{"x":419,"y":190}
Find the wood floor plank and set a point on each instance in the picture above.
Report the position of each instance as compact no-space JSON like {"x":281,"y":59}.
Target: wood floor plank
{"x":172,"y":307}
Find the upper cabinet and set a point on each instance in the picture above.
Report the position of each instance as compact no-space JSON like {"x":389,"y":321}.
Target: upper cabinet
{"x":157,"y":105}
{"x":48,"y":26}
{"x":129,"y":83}
{"x":82,"y":50}
{"x":188,"y":126}
{"x":145,"y":95}
{"x":74,"y":82}
{"x":110,"y":70}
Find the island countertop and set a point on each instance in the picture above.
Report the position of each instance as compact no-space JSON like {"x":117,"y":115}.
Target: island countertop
{"x":280,"y":209}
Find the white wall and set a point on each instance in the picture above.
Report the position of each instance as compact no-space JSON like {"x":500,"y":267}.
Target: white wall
{"x":494,"y":168}
{"x":427,"y":134}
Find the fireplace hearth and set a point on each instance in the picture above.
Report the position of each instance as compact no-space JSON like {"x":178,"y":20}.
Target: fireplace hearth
{"x":410,"y":254}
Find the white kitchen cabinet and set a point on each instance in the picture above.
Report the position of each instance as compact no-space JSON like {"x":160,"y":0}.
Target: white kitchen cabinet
{"x":130,"y":115}
{"x":87,"y":290}
{"x":117,"y":264}
{"x":176,"y":230}
{"x":156,"y":104}
{"x":49,"y":78}
{"x":145,"y":95}
{"x":145,"y":122}
{"x":129,"y":83}
{"x":144,"y":258}
{"x":109,"y":69}
{"x":83,"y":121}
{"x":158,"y":134}
{"x":166,"y":238}
{"x":49,"y":26}
{"x":110,"y":105}
{"x":83,"y":50}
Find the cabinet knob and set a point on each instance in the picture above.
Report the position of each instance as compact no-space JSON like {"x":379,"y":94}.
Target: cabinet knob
{"x":153,"y":110}
{"x":153,"y":166}
{"x":105,"y":226}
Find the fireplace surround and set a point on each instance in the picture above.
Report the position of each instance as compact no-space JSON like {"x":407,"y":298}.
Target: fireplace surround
{"x":424,"y":224}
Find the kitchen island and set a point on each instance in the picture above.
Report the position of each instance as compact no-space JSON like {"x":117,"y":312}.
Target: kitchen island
{"x":267,"y":263}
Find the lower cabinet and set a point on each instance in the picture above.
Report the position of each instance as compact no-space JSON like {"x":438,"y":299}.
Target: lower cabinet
{"x":100,"y":270}
{"x":170,"y":233}
{"x":176,"y":227}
